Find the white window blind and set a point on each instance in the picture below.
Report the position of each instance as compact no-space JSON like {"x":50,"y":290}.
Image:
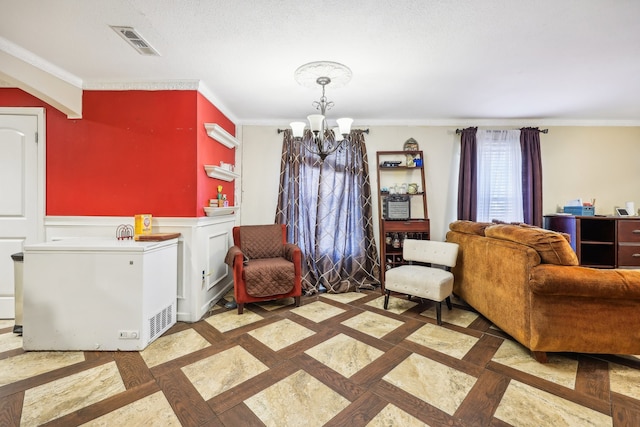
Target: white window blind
{"x":499,"y":158}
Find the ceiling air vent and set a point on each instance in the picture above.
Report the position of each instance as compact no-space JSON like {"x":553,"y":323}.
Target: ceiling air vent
{"x":135,"y":40}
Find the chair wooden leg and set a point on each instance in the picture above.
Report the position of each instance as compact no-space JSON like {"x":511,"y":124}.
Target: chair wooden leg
{"x":240,"y":307}
{"x":449,"y":306}
{"x":439,"y":312}
{"x":386,"y":299}
{"x":297,"y":299}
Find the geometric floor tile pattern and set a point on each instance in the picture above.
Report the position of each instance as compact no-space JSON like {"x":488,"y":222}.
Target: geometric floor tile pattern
{"x":337,"y":360}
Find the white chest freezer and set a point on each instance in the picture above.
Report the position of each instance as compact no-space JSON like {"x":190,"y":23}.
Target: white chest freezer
{"x":98,"y":294}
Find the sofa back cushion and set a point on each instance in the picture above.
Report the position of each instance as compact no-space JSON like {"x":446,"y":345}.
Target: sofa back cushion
{"x":469,"y":227}
{"x":553,"y":247}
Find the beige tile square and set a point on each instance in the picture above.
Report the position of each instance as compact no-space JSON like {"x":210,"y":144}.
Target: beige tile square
{"x":7,"y":323}
{"x":299,"y":400}
{"x":391,"y":415}
{"x":624,"y":380}
{"x":458,"y":317}
{"x":373,"y":324}
{"x":148,"y":411}
{"x":10,"y":341}
{"x":526,"y":406}
{"x":346,"y":297}
{"x":396,"y":305}
{"x":559,"y":369}
{"x":435,"y":383}
{"x":281,"y":334}
{"x":344,"y":354}
{"x":172,"y":346}
{"x":223,"y":371}
{"x":60,"y":397}
{"x":35,"y":363}
{"x":317,"y":311}
{"x":444,"y":340}
{"x":230,"y":320}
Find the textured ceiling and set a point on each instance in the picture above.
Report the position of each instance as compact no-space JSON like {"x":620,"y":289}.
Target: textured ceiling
{"x":413,"y":61}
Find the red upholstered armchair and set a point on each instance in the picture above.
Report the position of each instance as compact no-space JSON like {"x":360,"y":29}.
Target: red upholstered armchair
{"x":265,"y":267}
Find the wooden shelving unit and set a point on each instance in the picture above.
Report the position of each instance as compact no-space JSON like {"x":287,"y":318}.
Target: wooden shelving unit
{"x":393,"y":232}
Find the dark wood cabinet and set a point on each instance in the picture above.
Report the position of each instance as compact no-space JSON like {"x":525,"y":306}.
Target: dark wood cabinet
{"x":394,"y":173}
{"x":601,"y":241}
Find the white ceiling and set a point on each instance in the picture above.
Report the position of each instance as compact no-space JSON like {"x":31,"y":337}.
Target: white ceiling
{"x":413,"y":61}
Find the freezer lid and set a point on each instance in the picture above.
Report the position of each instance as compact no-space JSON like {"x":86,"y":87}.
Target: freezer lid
{"x":97,"y":244}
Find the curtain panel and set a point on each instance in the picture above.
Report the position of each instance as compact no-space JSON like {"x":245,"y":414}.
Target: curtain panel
{"x":327,"y":208}
{"x":467,"y":176}
{"x":531,"y":176}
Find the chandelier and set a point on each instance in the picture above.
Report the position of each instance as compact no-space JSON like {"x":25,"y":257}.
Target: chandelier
{"x":322,"y":142}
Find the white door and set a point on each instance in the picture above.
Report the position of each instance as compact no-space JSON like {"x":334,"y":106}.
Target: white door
{"x":20,"y":201}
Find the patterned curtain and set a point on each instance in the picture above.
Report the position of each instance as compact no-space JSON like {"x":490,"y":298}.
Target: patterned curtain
{"x":327,"y":208}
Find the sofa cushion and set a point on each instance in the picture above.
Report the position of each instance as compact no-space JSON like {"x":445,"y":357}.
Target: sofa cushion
{"x":552,"y":247}
{"x":469,"y":227}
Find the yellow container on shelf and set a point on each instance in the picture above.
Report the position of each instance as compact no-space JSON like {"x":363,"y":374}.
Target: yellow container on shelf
{"x":142,"y":225}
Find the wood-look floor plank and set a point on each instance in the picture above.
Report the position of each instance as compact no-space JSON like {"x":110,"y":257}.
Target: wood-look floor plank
{"x":483,"y":399}
{"x":11,"y":409}
{"x":593,"y":378}
{"x":625,"y":411}
{"x":188,"y":405}
{"x":240,"y":415}
{"x":360,"y":412}
{"x":133,"y":369}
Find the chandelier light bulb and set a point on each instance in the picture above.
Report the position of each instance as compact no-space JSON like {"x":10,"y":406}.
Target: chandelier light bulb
{"x":316,"y":122}
{"x":297,"y":129}
{"x":337,"y":134}
{"x":345,"y":125}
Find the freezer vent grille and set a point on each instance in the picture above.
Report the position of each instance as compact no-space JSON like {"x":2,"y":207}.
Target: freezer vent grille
{"x":160,"y":321}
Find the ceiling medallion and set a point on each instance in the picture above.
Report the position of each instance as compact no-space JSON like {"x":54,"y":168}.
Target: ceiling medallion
{"x":307,"y":75}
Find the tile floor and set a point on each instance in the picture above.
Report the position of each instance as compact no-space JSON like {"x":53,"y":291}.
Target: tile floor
{"x":335,"y":360}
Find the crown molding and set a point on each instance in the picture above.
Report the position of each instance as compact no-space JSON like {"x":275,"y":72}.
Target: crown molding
{"x":142,"y":85}
{"x":36,"y":61}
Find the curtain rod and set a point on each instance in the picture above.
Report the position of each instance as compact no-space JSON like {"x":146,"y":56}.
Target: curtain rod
{"x":363,"y":130}
{"x":459,"y":131}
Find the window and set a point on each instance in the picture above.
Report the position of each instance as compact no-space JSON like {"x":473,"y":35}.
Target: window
{"x":499,"y":168}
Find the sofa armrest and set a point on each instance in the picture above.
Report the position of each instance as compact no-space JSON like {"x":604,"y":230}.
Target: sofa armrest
{"x":558,"y":280}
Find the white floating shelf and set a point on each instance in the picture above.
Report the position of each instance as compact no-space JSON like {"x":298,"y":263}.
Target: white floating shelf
{"x":214,"y":211}
{"x":220,"y":173}
{"x":216,"y":132}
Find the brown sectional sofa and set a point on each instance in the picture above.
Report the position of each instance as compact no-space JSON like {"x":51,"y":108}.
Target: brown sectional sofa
{"x":526,"y":280}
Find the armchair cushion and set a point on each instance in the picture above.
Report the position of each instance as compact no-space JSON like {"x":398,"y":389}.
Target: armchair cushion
{"x":261,"y":241}
{"x":268,"y":276}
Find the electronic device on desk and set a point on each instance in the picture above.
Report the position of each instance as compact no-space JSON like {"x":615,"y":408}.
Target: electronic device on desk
{"x":397,"y":207}
{"x":390,"y":164}
{"x":622,"y":212}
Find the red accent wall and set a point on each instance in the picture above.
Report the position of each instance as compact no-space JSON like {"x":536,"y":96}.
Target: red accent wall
{"x":132,"y":152}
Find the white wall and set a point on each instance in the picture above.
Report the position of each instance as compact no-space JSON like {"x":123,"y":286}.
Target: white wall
{"x":586,"y":162}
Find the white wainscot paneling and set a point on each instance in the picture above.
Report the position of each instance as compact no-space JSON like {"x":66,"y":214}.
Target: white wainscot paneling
{"x":217,"y":250}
